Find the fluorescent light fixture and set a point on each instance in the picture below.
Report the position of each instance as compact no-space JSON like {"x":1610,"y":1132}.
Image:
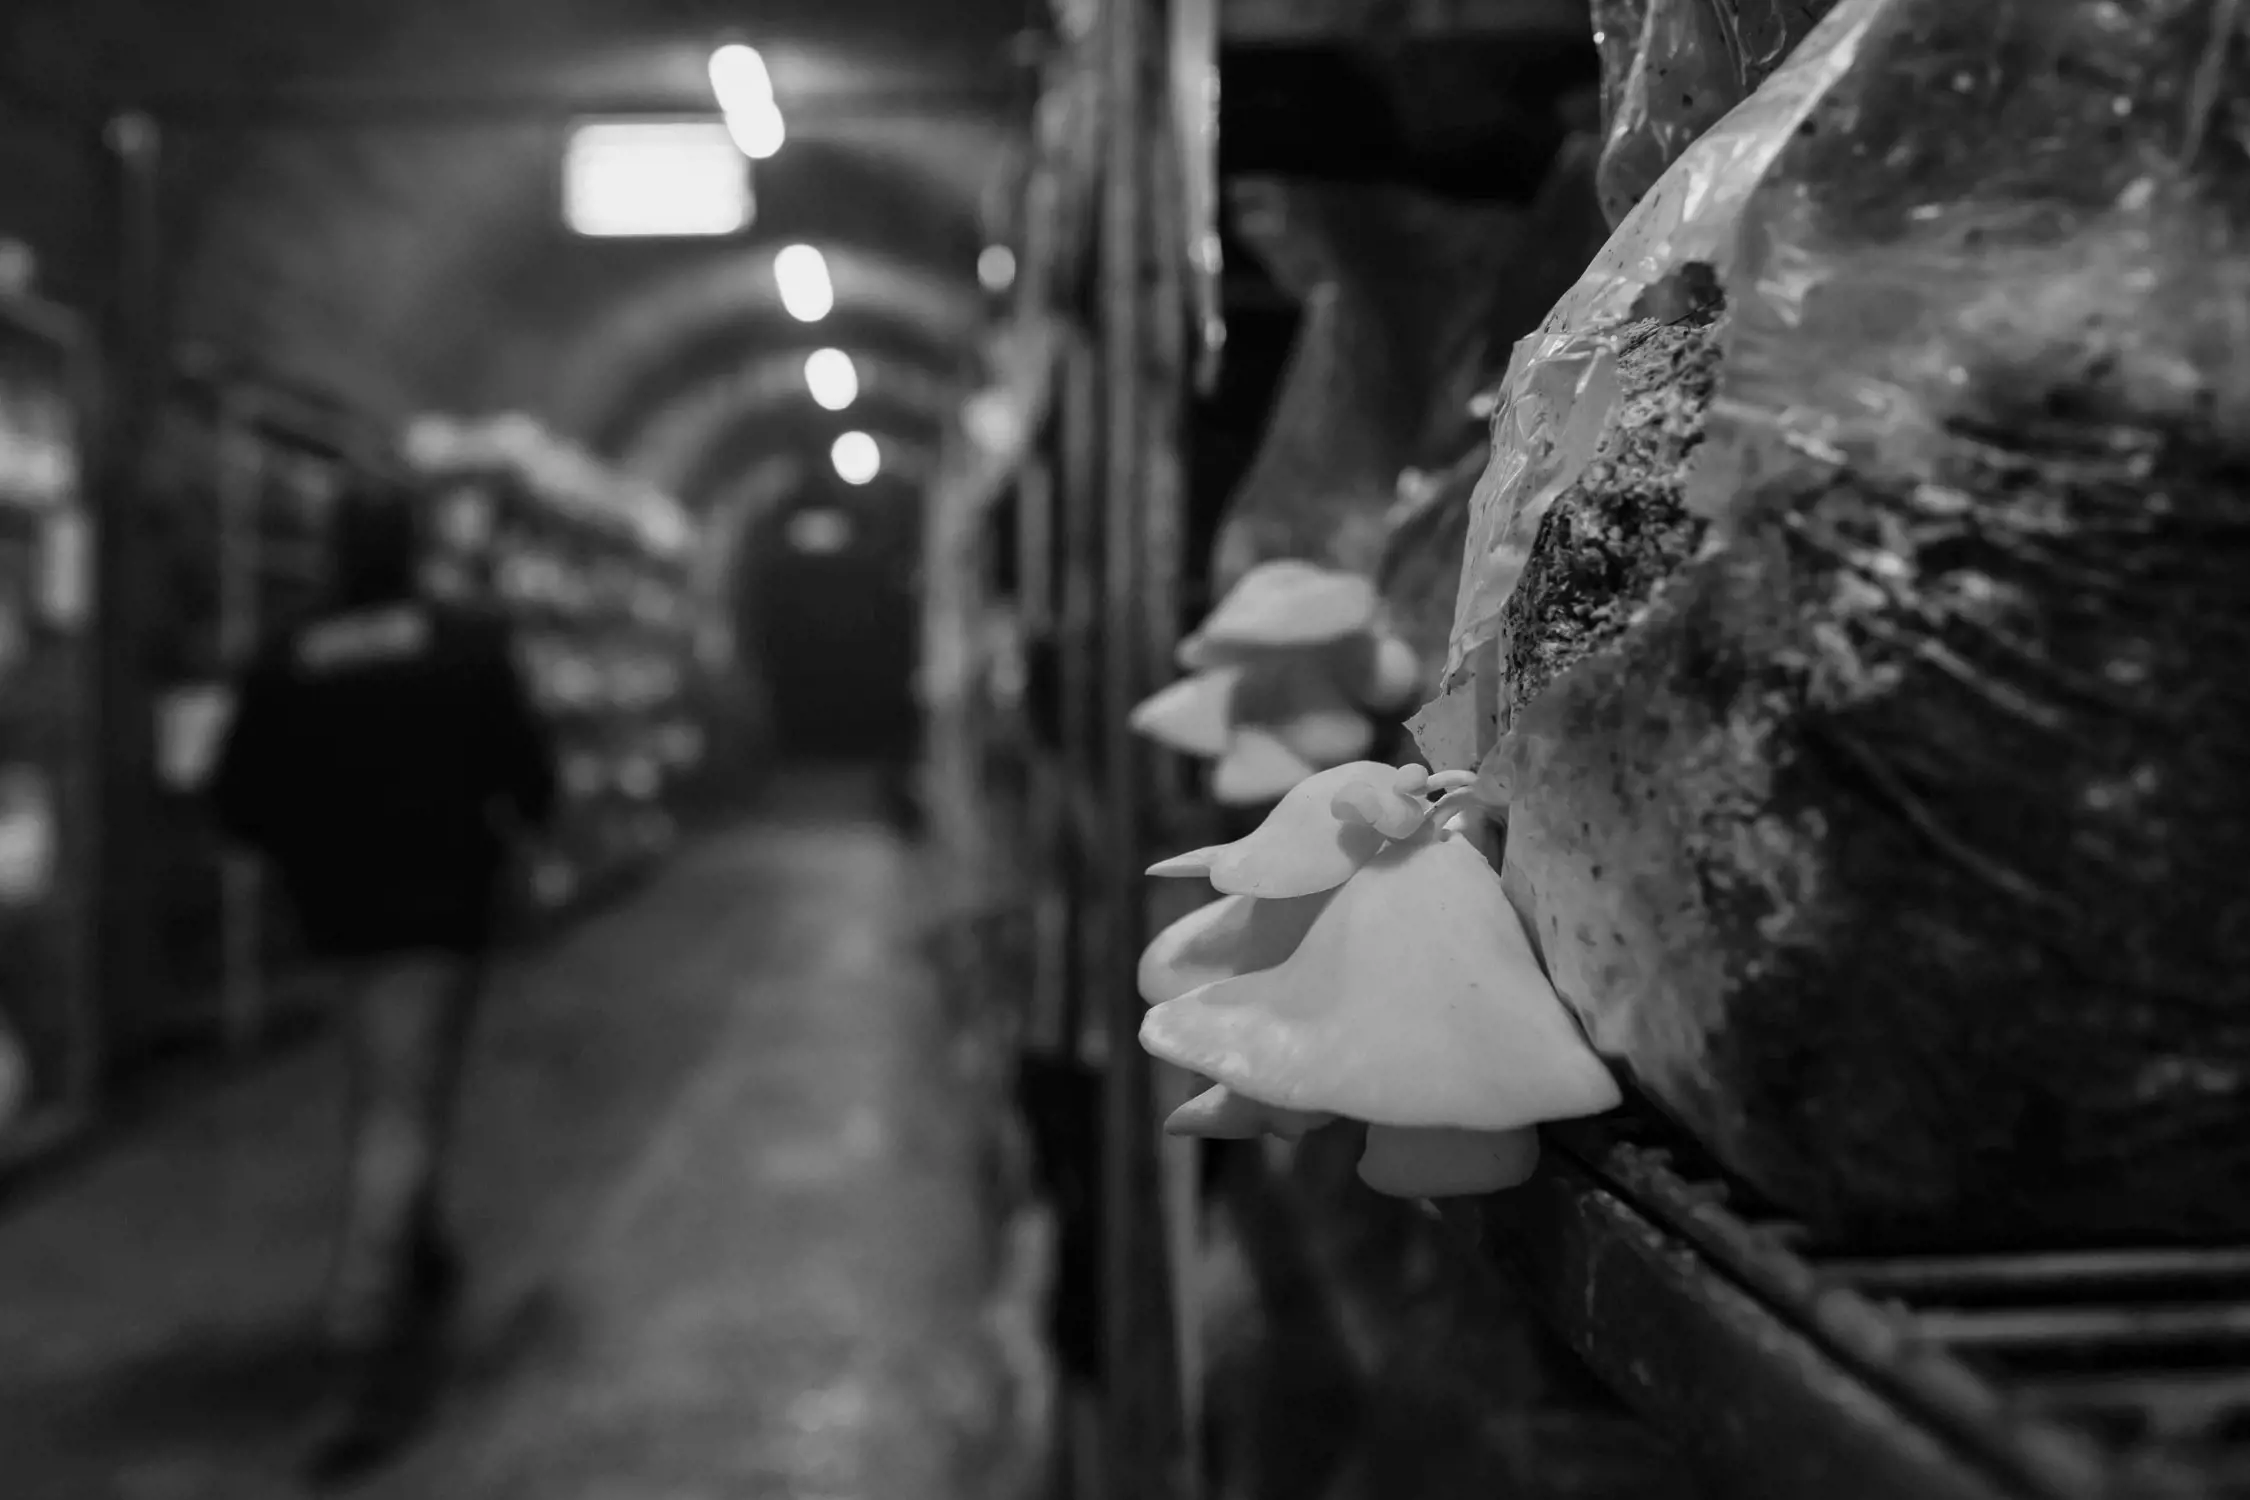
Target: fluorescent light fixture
{"x":996,"y":268}
{"x":757,"y":133}
{"x":739,"y":77}
{"x":802,"y":274}
{"x":856,"y":458}
{"x":642,"y":179}
{"x":832,"y":379}
{"x":745,"y":93}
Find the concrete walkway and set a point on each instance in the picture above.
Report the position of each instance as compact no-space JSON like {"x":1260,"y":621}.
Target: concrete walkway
{"x":716,"y":1180}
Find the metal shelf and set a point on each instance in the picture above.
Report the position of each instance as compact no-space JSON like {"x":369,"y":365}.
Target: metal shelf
{"x":1269,"y":23}
{"x":1788,"y":1369}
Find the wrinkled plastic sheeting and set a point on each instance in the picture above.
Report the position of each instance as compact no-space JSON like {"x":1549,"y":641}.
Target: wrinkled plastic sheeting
{"x":1561,"y":385}
{"x":1195,"y":113}
{"x":1421,"y":552}
{"x":1898,"y":847}
{"x":1673,"y":68}
{"x":1388,"y":355}
{"x":1863,"y":312}
{"x":1420,"y":570}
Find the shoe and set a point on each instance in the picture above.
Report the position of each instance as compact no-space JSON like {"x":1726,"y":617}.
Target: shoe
{"x":438,"y":1278}
{"x":390,"y":1388}
{"x":381,"y":1408}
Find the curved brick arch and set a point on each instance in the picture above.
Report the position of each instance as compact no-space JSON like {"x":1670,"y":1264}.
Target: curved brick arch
{"x":597,"y":371}
{"x":717,"y":352}
{"x":910,"y":452}
{"x":668,"y":447}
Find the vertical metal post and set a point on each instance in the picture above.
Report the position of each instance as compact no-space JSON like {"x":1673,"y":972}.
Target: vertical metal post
{"x":1035,"y":544}
{"x":1079,"y":675}
{"x":1145,"y":1457}
{"x":1163,"y":525}
{"x":242,"y":895}
{"x":133,"y":344}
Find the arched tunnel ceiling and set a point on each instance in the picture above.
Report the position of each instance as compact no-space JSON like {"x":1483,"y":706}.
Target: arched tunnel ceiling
{"x":493,"y":305}
{"x":670,"y":444}
{"x":423,"y":265}
{"x":688,"y":327}
{"x":901,"y":250}
{"x":610,"y":357}
{"x":909,"y":449}
{"x":716,"y":352}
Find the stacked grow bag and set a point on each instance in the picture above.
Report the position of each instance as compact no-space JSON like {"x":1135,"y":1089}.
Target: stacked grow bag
{"x":46,"y":1006}
{"x":595,"y":573}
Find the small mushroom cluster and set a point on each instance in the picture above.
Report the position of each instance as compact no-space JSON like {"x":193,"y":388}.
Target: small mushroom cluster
{"x":1363,"y":962}
{"x":1284,"y":677}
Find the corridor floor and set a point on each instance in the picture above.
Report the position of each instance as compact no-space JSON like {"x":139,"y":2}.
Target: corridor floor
{"x":716,"y":1179}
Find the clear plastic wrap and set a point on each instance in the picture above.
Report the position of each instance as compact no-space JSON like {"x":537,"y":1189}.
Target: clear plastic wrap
{"x":1395,"y":287}
{"x":1561,"y":388}
{"x":1897,"y":845}
{"x":1194,"y":42}
{"x":1673,"y":68}
{"x":1421,"y":565}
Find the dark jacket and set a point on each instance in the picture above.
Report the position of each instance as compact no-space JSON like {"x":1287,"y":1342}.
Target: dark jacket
{"x":383,"y":758}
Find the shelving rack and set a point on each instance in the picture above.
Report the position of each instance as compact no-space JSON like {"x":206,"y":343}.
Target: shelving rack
{"x":1690,"y":1333}
{"x":1080,"y":554}
{"x":596,"y":576}
{"x":1786,"y":1367}
{"x":50,"y":1032}
{"x":243,"y":477}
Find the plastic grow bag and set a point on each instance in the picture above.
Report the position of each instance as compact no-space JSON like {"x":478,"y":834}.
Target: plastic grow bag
{"x":1395,"y":287}
{"x":1898,"y":846}
{"x":1673,"y":68}
{"x":1420,"y":569}
{"x":1561,"y":387}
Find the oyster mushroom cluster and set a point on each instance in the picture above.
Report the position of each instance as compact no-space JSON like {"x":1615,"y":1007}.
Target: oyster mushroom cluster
{"x":1286,"y":676}
{"x":1364,"y":963}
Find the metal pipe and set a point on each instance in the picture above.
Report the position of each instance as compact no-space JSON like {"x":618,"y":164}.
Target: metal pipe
{"x":346,"y":106}
{"x":1144,"y":1447}
{"x":132,"y":338}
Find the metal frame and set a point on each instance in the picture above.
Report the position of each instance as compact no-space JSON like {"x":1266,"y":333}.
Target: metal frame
{"x":77,"y":1089}
{"x":1145,"y":1458}
{"x":123,"y":139}
{"x":1784,"y":1370}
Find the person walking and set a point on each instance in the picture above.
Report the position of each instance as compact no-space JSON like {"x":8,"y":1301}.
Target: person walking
{"x":384,"y":758}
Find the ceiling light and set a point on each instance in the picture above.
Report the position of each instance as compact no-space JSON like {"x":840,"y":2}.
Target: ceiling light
{"x":739,"y":77}
{"x":757,"y":132}
{"x":832,"y":379}
{"x":801,"y":272}
{"x":745,"y":94}
{"x":856,"y":458}
{"x":820,"y":533}
{"x":654,"y":179}
{"x":996,"y":268}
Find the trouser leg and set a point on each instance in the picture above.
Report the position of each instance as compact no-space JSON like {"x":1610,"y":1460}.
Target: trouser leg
{"x":409,"y":1024}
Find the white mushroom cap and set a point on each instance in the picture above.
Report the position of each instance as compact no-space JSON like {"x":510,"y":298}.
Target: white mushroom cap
{"x":1301,"y":699}
{"x":1327,"y":736}
{"x":1257,"y":768}
{"x":1232,"y":935}
{"x":1446,"y":1163}
{"x":1220,"y":1114}
{"x":1193,"y":716}
{"x":1414,"y":1000}
{"x":1286,"y":603}
{"x":1393,"y":675}
{"x":1301,"y":847}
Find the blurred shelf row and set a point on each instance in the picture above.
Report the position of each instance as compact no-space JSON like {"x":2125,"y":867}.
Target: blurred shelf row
{"x":104,"y":837}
